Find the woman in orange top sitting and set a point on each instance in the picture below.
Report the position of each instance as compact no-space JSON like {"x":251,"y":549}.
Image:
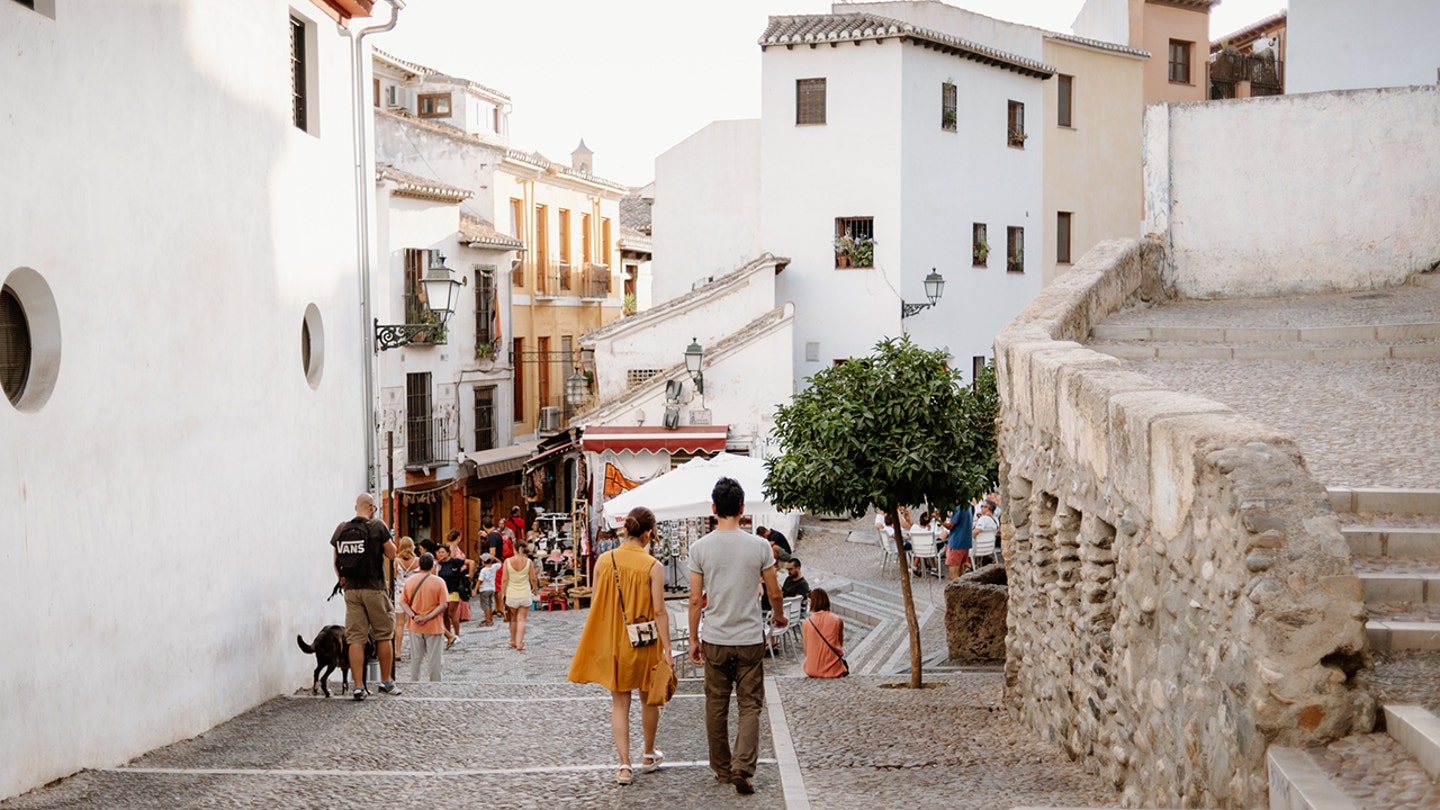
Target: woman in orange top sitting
{"x":823,"y":638}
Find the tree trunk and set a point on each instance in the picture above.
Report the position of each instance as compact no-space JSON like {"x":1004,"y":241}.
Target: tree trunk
{"x":911,"y":621}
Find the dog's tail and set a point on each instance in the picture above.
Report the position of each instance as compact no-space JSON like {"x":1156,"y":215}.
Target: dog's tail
{"x":305,"y":648}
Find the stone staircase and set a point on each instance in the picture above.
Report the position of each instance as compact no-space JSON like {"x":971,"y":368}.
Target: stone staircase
{"x":879,"y":614}
{"x":1397,"y":768}
{"x":1394,"y":538}
{"x":1406,"y":341}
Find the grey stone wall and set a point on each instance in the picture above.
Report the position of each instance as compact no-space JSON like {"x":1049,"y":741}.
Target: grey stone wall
{"x":1180,"y":594}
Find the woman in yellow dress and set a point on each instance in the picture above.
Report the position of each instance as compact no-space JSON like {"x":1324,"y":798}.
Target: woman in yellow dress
{"x":604,"y":654}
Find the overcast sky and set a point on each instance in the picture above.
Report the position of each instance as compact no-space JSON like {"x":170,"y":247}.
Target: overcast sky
{"x":635,"y":77}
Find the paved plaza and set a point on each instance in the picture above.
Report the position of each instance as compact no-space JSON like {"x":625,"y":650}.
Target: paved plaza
{"x":505,"y":729}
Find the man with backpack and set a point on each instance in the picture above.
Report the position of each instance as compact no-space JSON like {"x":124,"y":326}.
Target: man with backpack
{"x":361,"y":547}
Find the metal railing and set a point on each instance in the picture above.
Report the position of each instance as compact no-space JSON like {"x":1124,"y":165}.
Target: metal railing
{"x":417,"y":313}
{"x":428,"y":442}
{"x":595,"y":281}
{"x":553,"y":278}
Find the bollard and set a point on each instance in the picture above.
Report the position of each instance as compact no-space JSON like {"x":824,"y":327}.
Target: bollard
{"x":372,"y":672}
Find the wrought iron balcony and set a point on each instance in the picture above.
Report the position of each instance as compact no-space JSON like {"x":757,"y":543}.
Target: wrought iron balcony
{"x":428,"y":442}
{"x":595,"y":281}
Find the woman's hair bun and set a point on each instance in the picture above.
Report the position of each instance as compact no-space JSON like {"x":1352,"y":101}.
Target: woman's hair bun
{"x":639,"y":521}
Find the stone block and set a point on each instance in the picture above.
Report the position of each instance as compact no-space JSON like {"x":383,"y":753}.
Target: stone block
{"x":1335,"y":353}
{"x":975,"y":606}
{"x":1126,"y":351}
{"x":1319,"y":334}
{"x":1193,"y":352}
{"x":1115,"y":331}
{"x":1264,"y":334}
{"x":1198,"y":334}
{"x":1396,"y":501}
{"x":1393,"y":588}
{"x":1408,"y":331}
{"x":1046,"y":367}
{"x":1130,"y":416}
{"x":1271,"y":353}
{"x":1419,"y":732}
{"x":1415,"y":351}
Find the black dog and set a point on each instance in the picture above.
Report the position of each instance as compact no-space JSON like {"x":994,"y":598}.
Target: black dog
{"x":331,"y":653}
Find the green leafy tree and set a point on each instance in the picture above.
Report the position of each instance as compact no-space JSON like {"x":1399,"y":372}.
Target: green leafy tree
{"x":896,"y":427}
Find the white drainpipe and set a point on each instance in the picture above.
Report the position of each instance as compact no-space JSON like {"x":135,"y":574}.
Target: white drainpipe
{"x":364,"y":192}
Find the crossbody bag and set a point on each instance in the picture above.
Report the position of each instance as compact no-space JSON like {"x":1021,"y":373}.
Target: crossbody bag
{"x":642,"y":634}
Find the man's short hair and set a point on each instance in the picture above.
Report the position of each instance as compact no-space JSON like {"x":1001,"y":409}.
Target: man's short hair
{"x":763,"y":531}
{"x":429,"y":545}
{"x":728,"y":497}
{"x":488,"y":523}
{"x":427,"y":561}
{"x":795,"y":560}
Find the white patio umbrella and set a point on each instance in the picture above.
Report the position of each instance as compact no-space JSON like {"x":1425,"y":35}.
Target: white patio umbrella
{"x":685,"y":491}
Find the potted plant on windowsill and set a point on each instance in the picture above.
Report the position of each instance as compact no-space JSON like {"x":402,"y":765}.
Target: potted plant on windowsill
{"x":1017,"y":138}
{"x":1016,"y":263}
{"x":980,"y":253}
{"x":854,"y":251}
{"x":485,"y":354}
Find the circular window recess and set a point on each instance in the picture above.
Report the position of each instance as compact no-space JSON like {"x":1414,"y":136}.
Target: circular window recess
{"x":312,"y":346}
{"x":29,"y":340}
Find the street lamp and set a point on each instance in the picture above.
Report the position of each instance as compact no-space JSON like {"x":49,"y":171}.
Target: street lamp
{"x":694,"y":362}
{"x":934,"y":288}
{"x":440,"y":286}
{"x":575,"y":391}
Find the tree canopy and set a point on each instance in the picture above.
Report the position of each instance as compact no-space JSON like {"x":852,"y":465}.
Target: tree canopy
{"x":896,"y":427}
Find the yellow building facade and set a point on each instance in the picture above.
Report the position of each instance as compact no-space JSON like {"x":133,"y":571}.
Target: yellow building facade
{"x":566,"y":284}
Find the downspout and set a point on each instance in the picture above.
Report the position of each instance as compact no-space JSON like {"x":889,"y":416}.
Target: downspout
{"x":363,"y":195}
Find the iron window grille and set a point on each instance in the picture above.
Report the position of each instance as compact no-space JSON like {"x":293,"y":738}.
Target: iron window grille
{"x":809,"y":101}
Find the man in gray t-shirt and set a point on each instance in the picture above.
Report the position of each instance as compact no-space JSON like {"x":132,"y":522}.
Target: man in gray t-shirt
{"x":724,"y":567}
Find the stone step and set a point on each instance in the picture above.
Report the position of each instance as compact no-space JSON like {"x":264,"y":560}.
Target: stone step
{"x":870,"y":656}
{"x":1405,"y":542}
{"x":899,"y":659}
{"x":1415,"y":587}
{"x":1418,"y":731}
{"x":1392,"y":636}
{"x":1393,"y":500}
{"x":1416,"y":350}
{"x":1382,"y":333}
{"x":1297,"y":782}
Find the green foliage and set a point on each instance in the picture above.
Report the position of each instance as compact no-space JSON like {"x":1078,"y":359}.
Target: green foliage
{"x":892,"y":428}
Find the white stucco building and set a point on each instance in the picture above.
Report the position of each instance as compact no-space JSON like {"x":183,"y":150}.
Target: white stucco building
{"x":182,"y":255}
{"x":922,"y":127}
{"x":1340,"y":45}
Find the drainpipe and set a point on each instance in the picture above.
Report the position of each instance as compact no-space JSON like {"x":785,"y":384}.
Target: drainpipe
{"x":363,"y":194}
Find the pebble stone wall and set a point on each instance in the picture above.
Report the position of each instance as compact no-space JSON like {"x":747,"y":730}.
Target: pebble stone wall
{"x":1180,"y":594}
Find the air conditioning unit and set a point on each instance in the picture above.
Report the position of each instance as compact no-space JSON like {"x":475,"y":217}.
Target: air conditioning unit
{"x":550,"y":418}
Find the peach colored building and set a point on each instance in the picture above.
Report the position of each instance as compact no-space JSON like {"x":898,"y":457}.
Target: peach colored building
{"x":1250,"y":62}
{"x":1176,"y":33}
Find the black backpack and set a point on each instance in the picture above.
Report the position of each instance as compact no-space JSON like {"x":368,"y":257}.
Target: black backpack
{"x":350,"y":557}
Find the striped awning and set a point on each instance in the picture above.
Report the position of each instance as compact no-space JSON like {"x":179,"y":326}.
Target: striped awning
{"x":687,"y":439}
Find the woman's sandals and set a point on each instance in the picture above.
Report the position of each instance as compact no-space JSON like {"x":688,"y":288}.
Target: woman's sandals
{"x":625,"y":775}
{"x":651,"y":762}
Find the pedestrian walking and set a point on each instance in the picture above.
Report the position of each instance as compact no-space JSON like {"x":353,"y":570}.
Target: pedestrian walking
{"x":485,"y":586}
{"x":424,"y":600}
{"x":724,"y":567}
{"x":452,"y":571}
{"x":629,"y":590}
{"x":957,"y":544}
{"x":520,"y":584}
{"x":360,"y":548}
{"x":405,"y":564}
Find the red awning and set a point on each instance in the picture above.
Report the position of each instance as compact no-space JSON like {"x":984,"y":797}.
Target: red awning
{"x":687,"y":439}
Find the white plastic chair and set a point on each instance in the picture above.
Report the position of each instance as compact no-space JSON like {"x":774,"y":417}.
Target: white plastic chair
{"x":922,"y":548}
{"x":887,"y":547}
{"x":984,"y":547}
{"x":795,"y":612}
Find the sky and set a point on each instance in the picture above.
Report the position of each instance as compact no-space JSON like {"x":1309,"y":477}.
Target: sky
{"x":635,"y":77}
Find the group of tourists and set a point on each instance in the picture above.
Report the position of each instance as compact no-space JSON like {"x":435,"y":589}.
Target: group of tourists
{"x":626,"y":642}
{"x":969,"y":537}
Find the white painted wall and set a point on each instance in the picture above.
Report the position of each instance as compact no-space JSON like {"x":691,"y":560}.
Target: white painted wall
{"x":164,"y":517}
{"x":960,"y":22}
{"x":651,"y":342}
{"x":706,"y":217}
{"x":744,"y":384}
{"x":1271,"y":196}
{"x":406,"y":222}
{"x":951,"y":180}
{"x":1105,"y":20}
{"x":1342,"y":45}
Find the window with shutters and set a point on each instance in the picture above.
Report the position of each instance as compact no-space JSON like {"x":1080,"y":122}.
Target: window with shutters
{"x":809,"y":101}
{"x":485,"y":418}
{"x":1180,"y":61}
{"x":1015,"y":134}
{"x":299,"y":90}
{"x":1062,"y":237}
{"x":486,"y":327}
{"x":434,"y":105}
{"x":948,"y":106}
{"x":15,"y":349}
{"x":1065,"y":88}
{"x":416,"y":260}
{"x":417,"y":418}
{"x":1015,"y":250}
{"x":517,"y":349}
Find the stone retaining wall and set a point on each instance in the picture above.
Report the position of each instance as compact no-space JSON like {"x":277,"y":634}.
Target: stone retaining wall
{"x":1180,"y":593}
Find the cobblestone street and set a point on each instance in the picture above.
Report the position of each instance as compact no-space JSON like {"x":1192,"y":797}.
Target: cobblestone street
{"x":506,"y":729}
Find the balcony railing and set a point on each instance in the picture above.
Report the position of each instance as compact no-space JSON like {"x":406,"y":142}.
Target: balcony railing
{"x":416,"y":312}
{"x":553,"y":279}
{"x":428,"y":442}
{"x":595,"y":281}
